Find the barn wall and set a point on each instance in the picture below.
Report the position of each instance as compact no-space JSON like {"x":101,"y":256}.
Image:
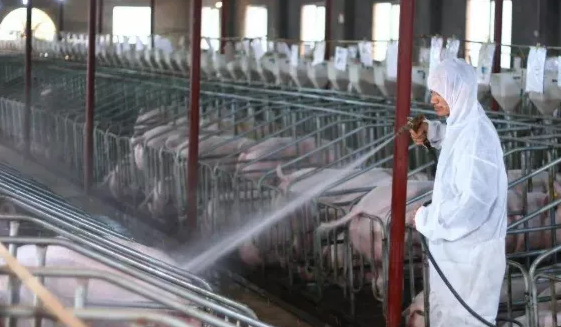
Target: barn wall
{"x":352,"y":19}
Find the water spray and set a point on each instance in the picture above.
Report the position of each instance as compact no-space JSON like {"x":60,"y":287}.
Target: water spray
{"x":258,"y":223}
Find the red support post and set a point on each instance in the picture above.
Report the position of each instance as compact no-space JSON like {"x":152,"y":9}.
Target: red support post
{"x":224,"y":14}
{"x":195,"y":87}
{"x":90,"y":99}
{"x":400,"y":163}
{"x":328,"y":36}
{"x":27,"y":89}
{"x":498,"y":40}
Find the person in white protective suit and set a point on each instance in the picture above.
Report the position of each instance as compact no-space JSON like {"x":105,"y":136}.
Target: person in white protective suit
{"x":465,"y":226}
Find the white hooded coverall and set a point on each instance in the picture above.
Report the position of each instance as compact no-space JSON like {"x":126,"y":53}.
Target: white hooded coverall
{"x":465,"y":225}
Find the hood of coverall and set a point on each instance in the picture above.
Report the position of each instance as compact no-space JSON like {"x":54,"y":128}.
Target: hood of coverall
{"x":456,"y":81}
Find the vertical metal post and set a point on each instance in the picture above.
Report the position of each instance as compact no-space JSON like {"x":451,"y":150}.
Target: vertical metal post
{"x":60,"y":18}
{"x":498,"y":40}
{"x":90,"y":98}
{"x":194,"y":86}
{"x":99,"y":17}
{"x":224,"y":21}
{"x":328,"y":12}
{"x":152,"y":22}
{"x":400,"y":162}
{"x":27,"y":112}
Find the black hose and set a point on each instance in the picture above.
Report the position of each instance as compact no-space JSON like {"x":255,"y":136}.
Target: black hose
{"x":432,"y":151}
{"x":457,"y":296}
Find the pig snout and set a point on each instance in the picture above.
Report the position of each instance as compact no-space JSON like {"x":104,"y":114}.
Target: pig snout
{"x":414,"y":314}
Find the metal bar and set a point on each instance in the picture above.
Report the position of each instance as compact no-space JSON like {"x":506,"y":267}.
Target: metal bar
{"x":195,"y":86}
{"x":152,"y":22}
{"x":400,"y":160}
{"x":99,"y":17}
{"x":27,"y":112}
{"x":328,"y":11}
{"x":90,"y":98}
{"x":224,"y":21}
{"x":498,"y":41}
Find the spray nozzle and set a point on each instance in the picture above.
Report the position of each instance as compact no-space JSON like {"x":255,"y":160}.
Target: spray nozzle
{"x":414,"y":123}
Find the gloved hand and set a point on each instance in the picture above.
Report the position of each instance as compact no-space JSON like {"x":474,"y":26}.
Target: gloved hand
{"x":420,"y":135}
{"x":410,"y":215}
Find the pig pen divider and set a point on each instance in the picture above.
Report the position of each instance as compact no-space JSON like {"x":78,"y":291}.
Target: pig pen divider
{"x":51,"y":302}
{"x":540,"y":296}
{"x":84,"y":247}
{"x":44,"y":204}
{"x":84,"y":276}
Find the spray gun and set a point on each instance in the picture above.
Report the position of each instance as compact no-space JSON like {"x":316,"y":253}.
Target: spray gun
{"x":414,"y":123}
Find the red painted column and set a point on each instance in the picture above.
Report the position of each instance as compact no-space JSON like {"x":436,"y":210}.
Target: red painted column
{"x":224,"y":14}
{"x":90,"y":99}
{"x":27,"y":88}
{"x":400,"y":163}
{"x":195,"y":86}
{"x":498,"y":40}
{"x":328,"y":34}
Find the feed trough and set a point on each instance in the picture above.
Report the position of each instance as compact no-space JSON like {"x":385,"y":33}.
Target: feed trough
{"x":507,"y":90}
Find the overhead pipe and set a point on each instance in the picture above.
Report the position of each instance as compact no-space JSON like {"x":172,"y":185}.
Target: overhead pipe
{"x":27,"y":88}
{"x":194,"y":86}
{"x":224,"y":21}
{"x":152,"y":22}
{"x":498,"y":41}
{"x":328,"y":15}
{"x":400,"y":162}
{"x":90,"y":99}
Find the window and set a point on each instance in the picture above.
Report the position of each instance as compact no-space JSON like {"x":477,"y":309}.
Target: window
{"x":210,"y":27}
{"x":132,"y":22}
{"x":481,"y":25}
{"x":312,"y":25}
{"x":256,"y":24}
{"x":13,"y":25}
{"x":385,"y":27}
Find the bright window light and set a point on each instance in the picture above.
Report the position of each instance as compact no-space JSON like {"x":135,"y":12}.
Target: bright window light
{"x":13,"y":25}
{"x":131,"y":22}
{"x":480,"y":23}
{"x":312,"y":25}
{"x":385,"y":27}
{"x":256,"y":24}
{"x":210,"y":27}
